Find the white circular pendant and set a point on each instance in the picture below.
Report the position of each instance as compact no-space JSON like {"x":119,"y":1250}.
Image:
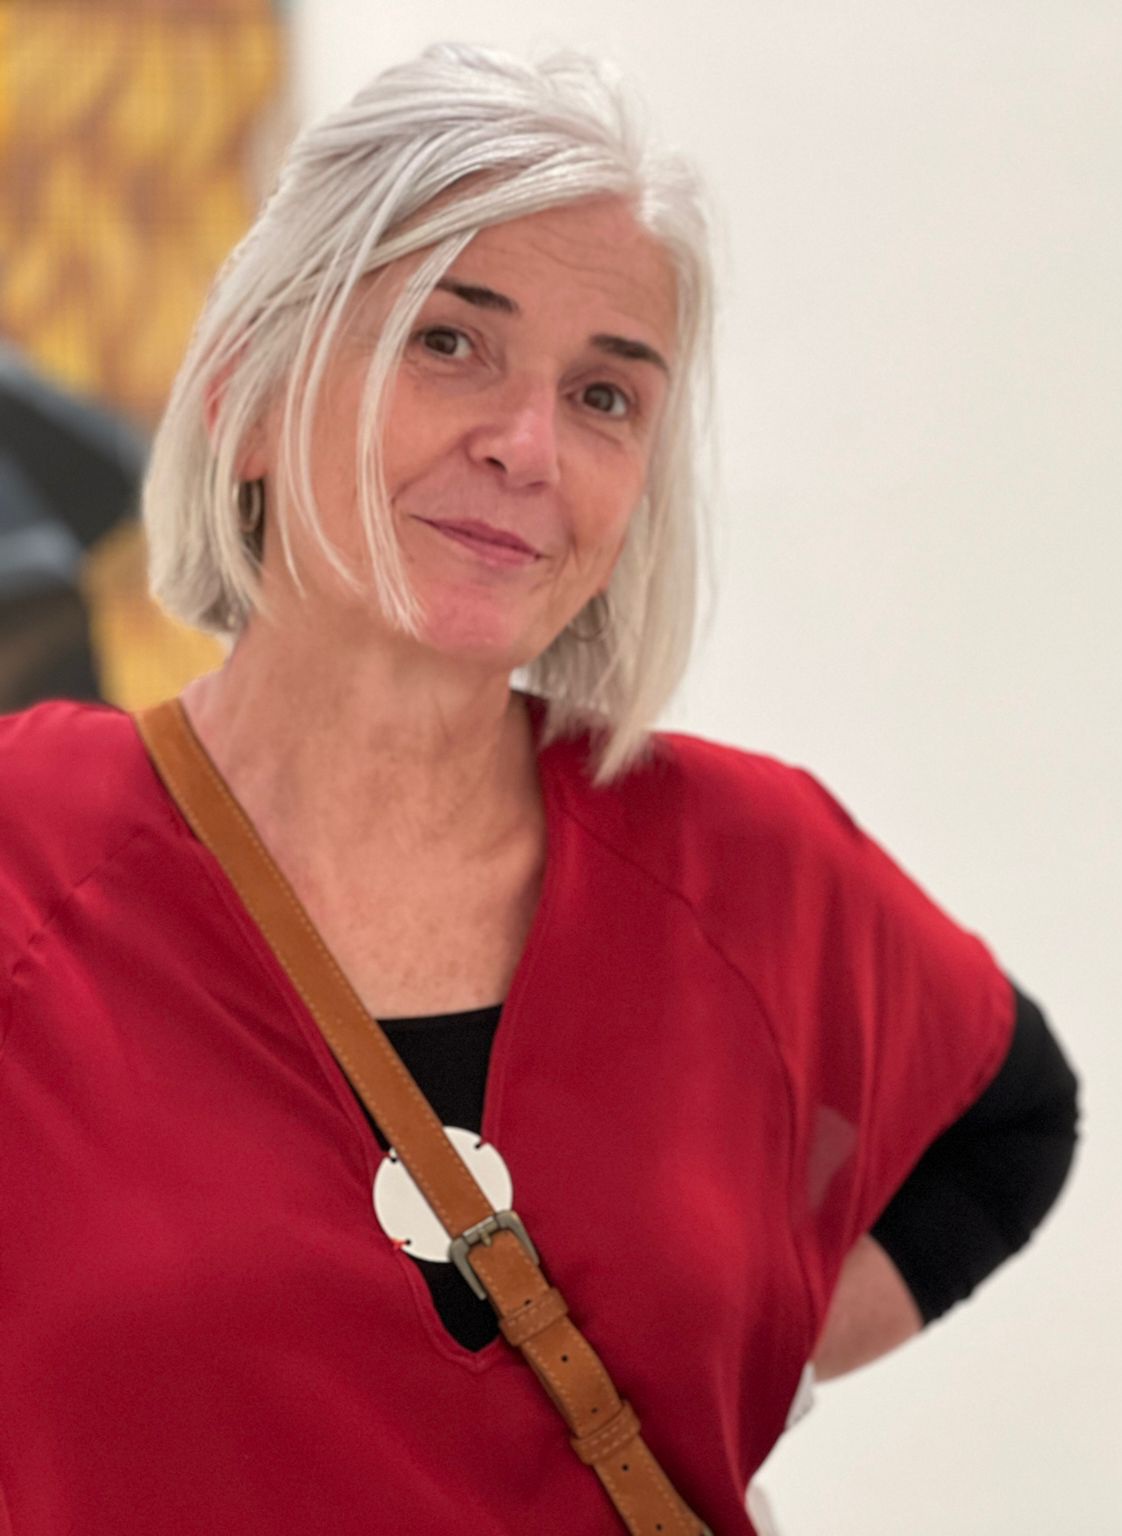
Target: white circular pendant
{"x":407,"y":1218}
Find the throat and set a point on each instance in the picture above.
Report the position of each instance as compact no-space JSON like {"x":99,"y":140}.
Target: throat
{"x":419,"y":942}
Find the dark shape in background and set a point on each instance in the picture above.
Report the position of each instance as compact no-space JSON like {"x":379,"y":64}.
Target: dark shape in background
{"x":69,"y":472}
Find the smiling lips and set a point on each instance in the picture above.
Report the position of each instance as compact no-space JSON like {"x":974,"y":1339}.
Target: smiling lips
{"x":497,"y":546}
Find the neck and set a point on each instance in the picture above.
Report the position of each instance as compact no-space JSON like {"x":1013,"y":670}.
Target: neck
{"x":348,"y":746}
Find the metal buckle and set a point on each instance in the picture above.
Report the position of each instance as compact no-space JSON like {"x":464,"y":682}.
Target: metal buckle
{"x":483,"y":1232}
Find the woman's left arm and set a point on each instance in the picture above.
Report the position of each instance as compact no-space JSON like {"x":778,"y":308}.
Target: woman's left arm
{"x":974,"y":1198}
{"x":871,"y":1312}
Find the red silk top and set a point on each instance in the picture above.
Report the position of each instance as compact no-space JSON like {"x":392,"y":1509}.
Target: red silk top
{"x":735,"y":1027}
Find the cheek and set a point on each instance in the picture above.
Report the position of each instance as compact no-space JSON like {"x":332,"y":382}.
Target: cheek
{"x":334,"y":441}
{"x":414,"y":434}
{"x":609,"y":505}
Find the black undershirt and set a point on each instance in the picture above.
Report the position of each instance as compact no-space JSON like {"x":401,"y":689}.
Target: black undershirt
{"x":447,"y":1056}
{"x":981,"y":1189}
{"x":971,"y":1201}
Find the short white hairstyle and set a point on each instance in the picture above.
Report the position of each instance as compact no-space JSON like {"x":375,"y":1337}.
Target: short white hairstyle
{"x":423,"y":158}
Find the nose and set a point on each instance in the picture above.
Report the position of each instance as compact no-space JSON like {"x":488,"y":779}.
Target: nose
{"x":518,"y":435}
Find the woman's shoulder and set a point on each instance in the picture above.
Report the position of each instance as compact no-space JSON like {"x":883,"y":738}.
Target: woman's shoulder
{"x":726,"y":790}
{"x":761,"y":846}
{"x":738,"y":783}
{"x":75,"y":785}
{"x":693,"y":810}
{"x":55,"y":749}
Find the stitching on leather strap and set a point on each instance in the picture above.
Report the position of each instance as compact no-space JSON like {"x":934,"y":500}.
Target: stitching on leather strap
{"x":605,"y":1441}
{"x":568,"y":1368}
{"x":587,"y":1385}
{"x":529,"y":1321}
{"x":168,"y":721}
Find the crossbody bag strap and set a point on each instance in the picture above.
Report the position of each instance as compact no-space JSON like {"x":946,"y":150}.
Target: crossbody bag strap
{"x":491,"y":1248}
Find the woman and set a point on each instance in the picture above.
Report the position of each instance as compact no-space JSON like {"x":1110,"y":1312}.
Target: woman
{"x":436,"y":426}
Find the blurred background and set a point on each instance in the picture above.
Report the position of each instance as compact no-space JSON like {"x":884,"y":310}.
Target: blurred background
{"x":916,"y":522}
{"x":136,"y":139}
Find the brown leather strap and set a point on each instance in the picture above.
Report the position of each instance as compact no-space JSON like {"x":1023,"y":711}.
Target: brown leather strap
{"x":603,"y":1429}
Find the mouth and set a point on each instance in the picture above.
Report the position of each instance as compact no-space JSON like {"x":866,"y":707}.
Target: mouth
{"x":497,"y":546}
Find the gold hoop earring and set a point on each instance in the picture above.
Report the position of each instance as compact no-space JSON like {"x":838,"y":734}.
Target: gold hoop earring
{"x":599,"y":609}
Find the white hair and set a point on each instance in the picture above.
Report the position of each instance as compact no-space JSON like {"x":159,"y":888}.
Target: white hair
{"x":428,"y":154}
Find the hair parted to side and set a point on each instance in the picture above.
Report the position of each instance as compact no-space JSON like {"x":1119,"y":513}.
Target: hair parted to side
{"x":425,"y":156}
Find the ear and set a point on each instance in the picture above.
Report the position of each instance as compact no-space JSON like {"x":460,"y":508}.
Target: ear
{"x":252,"y":462}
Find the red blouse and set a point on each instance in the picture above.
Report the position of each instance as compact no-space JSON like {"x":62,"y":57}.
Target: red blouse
{"x":203,"y":1328}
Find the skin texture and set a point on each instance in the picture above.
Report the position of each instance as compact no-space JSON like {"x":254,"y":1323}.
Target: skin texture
{"x":513,"y":420}
{"x":871,"y":1312}
{"x":392,"y":777}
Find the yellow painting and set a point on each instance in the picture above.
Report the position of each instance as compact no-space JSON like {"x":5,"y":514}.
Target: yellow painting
{"x":137,"y":138}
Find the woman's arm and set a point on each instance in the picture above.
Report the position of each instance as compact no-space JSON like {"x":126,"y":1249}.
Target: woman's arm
{"x":871,"y":1312}
{"x":973,"y":1199}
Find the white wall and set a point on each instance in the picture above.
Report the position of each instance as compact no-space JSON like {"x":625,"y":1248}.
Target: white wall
{"x":920,"y":560}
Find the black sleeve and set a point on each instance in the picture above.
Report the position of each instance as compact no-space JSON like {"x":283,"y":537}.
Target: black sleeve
{"x":982,"y":1188}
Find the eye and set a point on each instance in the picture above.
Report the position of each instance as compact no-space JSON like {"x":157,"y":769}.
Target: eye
{"x":444,"y":341}
{"x":606,"y":400}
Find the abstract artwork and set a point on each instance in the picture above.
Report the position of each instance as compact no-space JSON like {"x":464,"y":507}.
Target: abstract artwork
{"x":137,"y":138}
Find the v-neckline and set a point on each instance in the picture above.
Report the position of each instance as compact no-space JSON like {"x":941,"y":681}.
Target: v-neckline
{"x":520,"y":980}
{"x":490,"y":1125}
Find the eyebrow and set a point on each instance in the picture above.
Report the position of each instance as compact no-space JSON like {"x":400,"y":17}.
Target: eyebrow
{"x":615,"y":346}
{"x":482,"y":298}
{"x":638,"y":351}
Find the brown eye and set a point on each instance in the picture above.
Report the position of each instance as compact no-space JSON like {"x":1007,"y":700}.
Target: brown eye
{"x":443,"y":340}
{"x":606,"y":399}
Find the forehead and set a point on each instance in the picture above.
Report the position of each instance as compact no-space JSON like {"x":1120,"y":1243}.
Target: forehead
{"x":591,"y":249}
{"x":589,"y":265}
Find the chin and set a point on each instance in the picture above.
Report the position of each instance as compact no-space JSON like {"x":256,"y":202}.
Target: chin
{"x":490,"y":639}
